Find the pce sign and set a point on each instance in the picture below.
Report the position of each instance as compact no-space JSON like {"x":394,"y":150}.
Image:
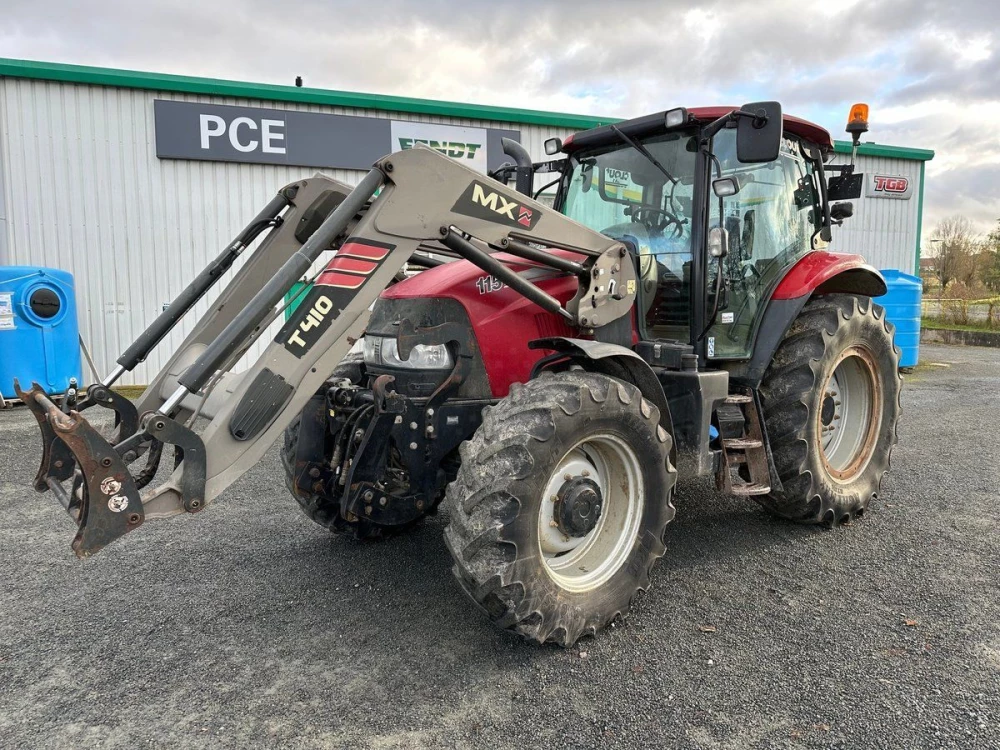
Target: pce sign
{"x":889,"y":186}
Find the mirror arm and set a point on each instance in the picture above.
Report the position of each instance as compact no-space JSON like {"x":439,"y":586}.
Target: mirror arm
{"x":709,"y":131}
{"x":825,"y":201}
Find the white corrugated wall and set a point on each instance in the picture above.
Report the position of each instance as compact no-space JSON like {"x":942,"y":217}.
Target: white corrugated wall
{"x":85,"y":192}
{"x":884,"y":230}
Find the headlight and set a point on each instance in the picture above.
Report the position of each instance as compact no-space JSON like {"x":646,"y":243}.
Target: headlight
{"x":382,"y":350}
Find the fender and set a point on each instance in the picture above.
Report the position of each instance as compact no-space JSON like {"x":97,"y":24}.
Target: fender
{"x":817,"y":273}
{"x":830,"y":273}
{"x":615,"y":361}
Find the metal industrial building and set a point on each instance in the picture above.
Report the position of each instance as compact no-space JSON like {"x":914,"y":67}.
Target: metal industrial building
{"x":134,"y":181}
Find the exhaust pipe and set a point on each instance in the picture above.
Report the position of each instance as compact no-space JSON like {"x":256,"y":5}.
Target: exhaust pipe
{"x":524,"y":175}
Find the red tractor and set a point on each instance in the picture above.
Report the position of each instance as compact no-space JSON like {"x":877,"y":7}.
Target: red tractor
{"x":548,"y":375}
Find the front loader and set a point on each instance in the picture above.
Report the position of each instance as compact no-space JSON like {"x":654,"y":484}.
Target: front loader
{"x":546,"y":380}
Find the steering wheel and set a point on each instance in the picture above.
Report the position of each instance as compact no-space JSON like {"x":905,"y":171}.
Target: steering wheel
{"x":657,"y":220}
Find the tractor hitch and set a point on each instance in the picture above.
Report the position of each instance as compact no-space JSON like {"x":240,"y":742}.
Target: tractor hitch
{"x":102,"y":498}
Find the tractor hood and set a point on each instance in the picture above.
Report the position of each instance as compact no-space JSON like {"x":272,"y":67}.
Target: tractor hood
{"x":501,"y":320}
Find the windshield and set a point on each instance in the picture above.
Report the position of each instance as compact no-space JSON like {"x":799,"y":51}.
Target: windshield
{"x":619,"y":192}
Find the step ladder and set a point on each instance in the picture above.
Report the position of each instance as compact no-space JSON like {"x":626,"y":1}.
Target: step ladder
{"x":744,"y":450}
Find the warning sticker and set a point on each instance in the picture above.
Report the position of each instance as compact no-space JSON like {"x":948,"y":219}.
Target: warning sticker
{"x":6,"y":307}
{"x":7,"y":323}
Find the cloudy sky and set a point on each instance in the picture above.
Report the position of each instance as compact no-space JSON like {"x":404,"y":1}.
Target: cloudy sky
{"x":929,"y":69}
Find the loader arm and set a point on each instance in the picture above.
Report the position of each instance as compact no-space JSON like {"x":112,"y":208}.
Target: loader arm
{"x":422,"y":197}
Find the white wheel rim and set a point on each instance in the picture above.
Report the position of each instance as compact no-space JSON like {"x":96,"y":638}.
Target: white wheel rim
{"x":850,"y":414}
{"x":581,"y":564}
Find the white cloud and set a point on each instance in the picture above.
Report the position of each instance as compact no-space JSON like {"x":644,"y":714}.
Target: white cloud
{"x":930,"y":70}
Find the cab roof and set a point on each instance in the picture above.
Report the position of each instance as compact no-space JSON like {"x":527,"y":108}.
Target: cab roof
{"x":651,"y":124}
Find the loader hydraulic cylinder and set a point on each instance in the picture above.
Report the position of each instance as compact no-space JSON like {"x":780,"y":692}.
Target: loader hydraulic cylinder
{"x":458,"y":244}
{"x":194,"y":291}
{"x":274,"y":290}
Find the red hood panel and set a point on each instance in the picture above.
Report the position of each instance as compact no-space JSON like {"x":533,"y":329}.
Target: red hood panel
{"x":503,"y":321}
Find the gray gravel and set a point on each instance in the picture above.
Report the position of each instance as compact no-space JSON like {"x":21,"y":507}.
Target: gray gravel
{"x":249,"y":626}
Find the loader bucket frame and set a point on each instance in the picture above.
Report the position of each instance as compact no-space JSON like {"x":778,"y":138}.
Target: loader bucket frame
{"x":422,"y":197}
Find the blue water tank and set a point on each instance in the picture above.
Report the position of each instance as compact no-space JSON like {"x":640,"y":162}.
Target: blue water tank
{"x":902,"y":308}
{"x":39,"y":333}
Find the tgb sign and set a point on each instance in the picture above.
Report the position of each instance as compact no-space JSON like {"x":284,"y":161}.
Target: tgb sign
{"x":889,"y":186}
{"x":216,"y":132}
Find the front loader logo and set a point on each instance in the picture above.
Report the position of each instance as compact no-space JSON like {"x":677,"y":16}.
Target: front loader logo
{"x":483,"y":202}
{"x":314,"y":318}
{"x":334,"y":288}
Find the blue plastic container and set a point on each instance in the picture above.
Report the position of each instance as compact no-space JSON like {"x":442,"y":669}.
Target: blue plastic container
{"x":39,"y":333}
{"x":902,"y":308}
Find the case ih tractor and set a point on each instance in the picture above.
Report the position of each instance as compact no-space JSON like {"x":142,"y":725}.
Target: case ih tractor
{"x":549,"y":374}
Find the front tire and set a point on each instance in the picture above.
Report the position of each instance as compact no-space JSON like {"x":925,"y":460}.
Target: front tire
{"x":830,"y":399}
{"x":560,"y":505}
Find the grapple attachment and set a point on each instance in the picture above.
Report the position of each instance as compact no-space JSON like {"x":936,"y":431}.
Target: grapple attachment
{"x":102,"y":496}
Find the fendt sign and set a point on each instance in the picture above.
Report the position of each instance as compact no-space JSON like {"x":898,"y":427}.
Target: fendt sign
{"x":255,"y":135}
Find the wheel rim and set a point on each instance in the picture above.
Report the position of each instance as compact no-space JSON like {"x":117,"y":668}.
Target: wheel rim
{"x":850,"y":414}
{"x":584,"y":563}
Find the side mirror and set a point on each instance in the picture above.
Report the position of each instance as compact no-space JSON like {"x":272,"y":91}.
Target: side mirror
{"x":758,"y":137}
{"x":841,"y":211}
{"x":718,"y":242}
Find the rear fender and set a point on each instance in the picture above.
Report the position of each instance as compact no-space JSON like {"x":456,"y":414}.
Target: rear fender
{"x":615,"y":361}
{"x":816,"y":274}
{"x":830,"y":273}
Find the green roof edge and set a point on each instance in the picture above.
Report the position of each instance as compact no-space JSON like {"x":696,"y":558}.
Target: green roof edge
{"x":133,"y":79}
{"x":890,"y":152}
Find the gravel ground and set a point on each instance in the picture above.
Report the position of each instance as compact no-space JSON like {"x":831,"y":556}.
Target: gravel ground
{"x":249,"y":626}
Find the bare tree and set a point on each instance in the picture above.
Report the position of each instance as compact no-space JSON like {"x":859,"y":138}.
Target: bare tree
{"x":991,"y":267}
{"x":956,"y":243}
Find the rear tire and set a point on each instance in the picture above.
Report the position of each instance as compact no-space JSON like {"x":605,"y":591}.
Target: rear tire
{"x":561,"y":436}
{"x":831,"y":402}
{"x":321,"y":508}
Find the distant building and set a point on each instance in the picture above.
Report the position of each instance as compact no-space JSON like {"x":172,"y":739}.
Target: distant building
{"x":134,"y":181}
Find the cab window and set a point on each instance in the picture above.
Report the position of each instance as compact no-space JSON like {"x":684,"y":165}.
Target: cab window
{"x":620,"y":193}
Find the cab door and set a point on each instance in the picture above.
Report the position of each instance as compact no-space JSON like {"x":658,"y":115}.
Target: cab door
{"x":770,"y":223}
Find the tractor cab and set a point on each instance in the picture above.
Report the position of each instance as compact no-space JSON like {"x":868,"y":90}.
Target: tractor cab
{"x":717,"y":204}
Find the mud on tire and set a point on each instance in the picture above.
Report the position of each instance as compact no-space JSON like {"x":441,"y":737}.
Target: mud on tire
{"x":804,"y":406}
{"x":495,"y":536}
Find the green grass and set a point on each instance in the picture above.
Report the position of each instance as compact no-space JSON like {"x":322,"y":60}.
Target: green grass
{"x":943,"y":326}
